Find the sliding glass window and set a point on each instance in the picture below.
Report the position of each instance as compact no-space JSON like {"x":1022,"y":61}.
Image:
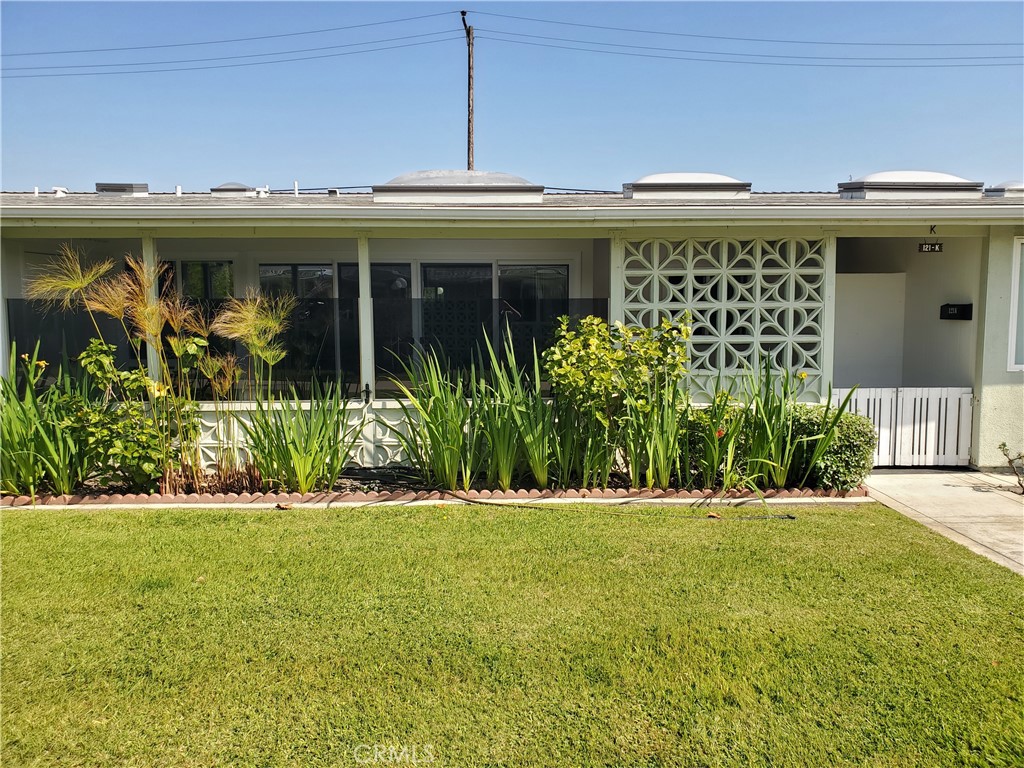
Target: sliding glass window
{"x":206,"y":279}
{"x":311,"y":338}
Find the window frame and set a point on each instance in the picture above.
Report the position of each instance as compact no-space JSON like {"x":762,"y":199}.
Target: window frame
{"x":294,"y":267}
{"x":207,"y":276}
{"x":1016,"y":304}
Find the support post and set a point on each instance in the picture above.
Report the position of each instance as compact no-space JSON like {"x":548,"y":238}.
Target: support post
{"x":5,"y":340}
{"x":617,"y":278}
{"x":149,"y":260}
{"x":367,"y":371}
{"x":828,"y":317}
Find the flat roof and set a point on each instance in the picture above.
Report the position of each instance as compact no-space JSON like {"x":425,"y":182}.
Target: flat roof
{"x":286,"y":200}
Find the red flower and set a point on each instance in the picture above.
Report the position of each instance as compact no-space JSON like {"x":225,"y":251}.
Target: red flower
{"x":720,"y":433}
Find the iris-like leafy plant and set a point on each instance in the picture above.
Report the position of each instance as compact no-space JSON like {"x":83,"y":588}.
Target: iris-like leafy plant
{"x":299,"y":446}
{"x":653,"y":424}
{"x":439,"y":436}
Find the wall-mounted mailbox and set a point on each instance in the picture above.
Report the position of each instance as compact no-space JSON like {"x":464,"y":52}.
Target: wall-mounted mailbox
{"x":955,"y":312}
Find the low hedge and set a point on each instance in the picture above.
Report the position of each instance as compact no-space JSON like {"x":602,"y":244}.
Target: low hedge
{"x":849,"y":458}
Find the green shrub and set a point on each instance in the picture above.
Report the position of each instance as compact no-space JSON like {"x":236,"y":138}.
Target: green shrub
{"x":848,"y":459}
{"x":593,"y":369}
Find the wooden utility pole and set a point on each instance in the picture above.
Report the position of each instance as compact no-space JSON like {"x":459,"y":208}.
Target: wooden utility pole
{"x":469,"y":104}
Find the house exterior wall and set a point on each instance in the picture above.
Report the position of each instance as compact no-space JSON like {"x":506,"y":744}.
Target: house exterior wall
{"x":936,"y":353}
{"x":869,"y":330}
{"x":998,"y":391}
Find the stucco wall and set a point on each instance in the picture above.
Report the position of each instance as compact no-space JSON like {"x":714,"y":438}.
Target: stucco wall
{"x":999,"y":392}
{"x":869,"y":330}
{"x":936,"y":353}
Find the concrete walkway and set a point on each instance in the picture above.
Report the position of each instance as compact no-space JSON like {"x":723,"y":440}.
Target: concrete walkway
{"x":976,"y":509}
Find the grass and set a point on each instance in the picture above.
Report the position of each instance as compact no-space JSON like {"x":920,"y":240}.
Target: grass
{"x":486,"y":636}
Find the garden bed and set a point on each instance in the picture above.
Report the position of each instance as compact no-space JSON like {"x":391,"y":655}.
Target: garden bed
{"x":604,"y":406}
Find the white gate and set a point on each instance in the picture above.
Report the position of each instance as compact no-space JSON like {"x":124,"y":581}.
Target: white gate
{"x":917,"y":426}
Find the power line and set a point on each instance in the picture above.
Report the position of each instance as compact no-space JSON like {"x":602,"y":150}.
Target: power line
{"x":749,"y":63}
{"x":232,"y":40}
{"x":757,"y":55}
{"x":723,"y":37}
{"x":494,"y":31}
{"x":232,"y":66}
{"x":227,"y":58}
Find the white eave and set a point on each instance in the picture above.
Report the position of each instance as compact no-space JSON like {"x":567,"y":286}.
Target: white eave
{"x":513,"y":215}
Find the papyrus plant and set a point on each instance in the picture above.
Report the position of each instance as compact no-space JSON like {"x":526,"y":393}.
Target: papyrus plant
{"x":257,"y":321}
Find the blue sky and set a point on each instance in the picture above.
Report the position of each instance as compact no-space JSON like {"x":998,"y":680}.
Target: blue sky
{"x":558,"y":117}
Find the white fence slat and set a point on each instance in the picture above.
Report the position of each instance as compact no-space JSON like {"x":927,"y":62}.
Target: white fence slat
{"x":930,"y":399}
{"x":965,"y":427}
{"x":906,"y":426}
{"x":917,"y":426}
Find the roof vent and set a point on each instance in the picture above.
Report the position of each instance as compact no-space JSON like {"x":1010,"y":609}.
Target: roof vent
{"x":130,"y":190}
{"x":233,"y":189}
{"x":485,"y":187}
{"x":687,"y":186}
{"x":1013,"y":189}
{"x":910,"y":185}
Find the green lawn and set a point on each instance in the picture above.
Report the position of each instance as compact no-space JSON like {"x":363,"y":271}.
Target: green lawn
{"x":485,"y":636}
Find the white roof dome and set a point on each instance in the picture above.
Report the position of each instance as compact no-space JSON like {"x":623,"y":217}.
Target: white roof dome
{"x":910,"y":185}
{"x":457,"y":178}
{"x":913,"y":177}
{"x":687,"y":177}
{"x":686,"y":185}
{"x":1014,"y":189}
{"x":458,"y":186}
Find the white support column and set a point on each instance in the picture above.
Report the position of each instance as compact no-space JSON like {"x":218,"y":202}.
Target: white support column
{"x":5,"y":341}
{"x":828,"y":316}
{"x":367,"y":371}
{"x":149,"y":259}
{"x":617,"y":278}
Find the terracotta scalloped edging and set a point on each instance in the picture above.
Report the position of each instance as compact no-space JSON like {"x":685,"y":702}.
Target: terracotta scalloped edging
{"x":383,"y":497}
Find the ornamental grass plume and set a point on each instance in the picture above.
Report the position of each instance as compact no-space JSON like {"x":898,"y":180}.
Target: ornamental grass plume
{"x":180,"y":314}
{"x":109,"y":297}
{"x":144,"y":305}
{"x":65,"y":281}
{"x":255,"y":320}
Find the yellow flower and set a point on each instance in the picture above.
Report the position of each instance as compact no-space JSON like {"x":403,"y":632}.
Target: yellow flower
{"x":156,"y":389}
{"x":802,"y":375}
{"x":42,"y":363}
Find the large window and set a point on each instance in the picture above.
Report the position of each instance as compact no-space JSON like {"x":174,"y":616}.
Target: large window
{"x":206,"y":279}
{"x":1016,"y":356}
{"x":311,"y":339}
{"x":391,"y":289}
{"x":449,"y":307}
{"x":303,"y":281}
{"x":457,"y":307}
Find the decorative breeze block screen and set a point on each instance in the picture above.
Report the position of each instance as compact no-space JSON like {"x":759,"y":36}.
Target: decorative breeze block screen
{"x":747,"y":299}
